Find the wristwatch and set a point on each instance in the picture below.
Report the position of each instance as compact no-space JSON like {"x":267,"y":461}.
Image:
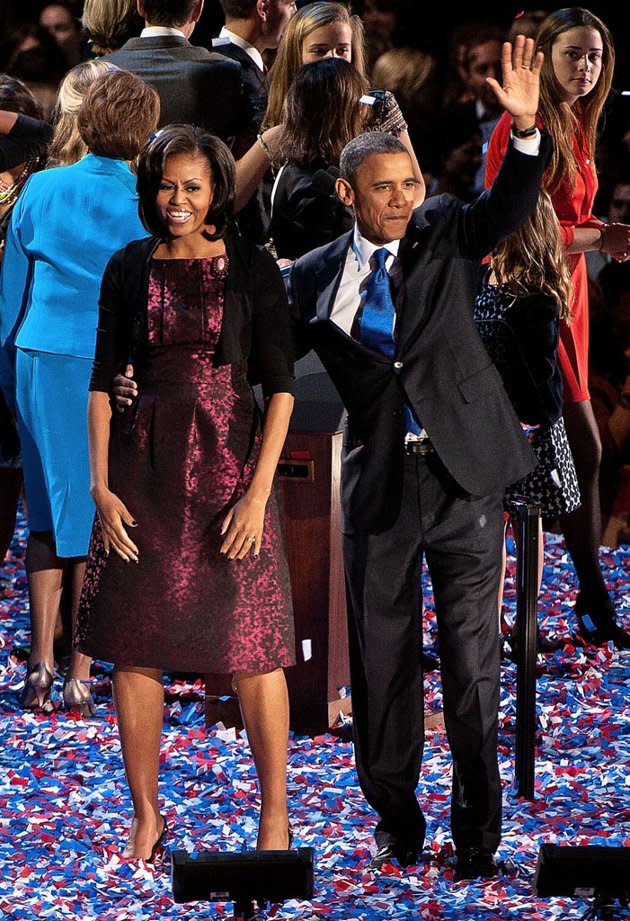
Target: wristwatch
{"x":524,"y":132}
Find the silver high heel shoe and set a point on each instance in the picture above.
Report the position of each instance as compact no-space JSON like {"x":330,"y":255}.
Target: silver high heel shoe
{"x":37,"y":688}
{"x":77,"y":696}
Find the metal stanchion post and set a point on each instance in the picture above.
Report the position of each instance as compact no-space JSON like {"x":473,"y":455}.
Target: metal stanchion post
{"x":525,"y":517}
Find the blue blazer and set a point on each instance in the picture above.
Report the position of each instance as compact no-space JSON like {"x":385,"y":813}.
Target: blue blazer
{"x":64,"y":227}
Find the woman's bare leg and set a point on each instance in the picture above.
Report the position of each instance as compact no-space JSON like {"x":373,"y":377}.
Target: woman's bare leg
{"x":44,"y":570}
{"x":264,"y":703}
{"x":139,"y":701}
{"x":79,"y":663}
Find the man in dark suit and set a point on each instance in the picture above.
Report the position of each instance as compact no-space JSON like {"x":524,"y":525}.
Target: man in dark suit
{"x":252,"y":27}
{"x":430,"y":444}
{"x":194,"y":84}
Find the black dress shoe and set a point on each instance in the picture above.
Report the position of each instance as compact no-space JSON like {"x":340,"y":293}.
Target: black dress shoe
{"x":392,"y":853}
{"x":475,"y":863}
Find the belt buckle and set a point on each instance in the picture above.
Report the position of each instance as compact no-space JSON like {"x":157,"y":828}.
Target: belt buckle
{"x":420,"y":446}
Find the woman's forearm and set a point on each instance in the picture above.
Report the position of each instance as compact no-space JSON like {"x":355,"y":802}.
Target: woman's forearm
{"x":252,"y":166}
{"x":99,"y":416}
{"x":275,"y":428}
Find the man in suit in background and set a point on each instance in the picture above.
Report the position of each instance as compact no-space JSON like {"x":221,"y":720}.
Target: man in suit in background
{"x":481,"y":60}
{"x":251,"y":27}
{"x":194,"y":85}
{"x":430,"y":444}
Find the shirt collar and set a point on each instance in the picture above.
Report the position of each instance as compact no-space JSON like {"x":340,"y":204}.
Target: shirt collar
{"x":154,"y":31}
{"x":364,"y":249}
{"x":254,"y":53}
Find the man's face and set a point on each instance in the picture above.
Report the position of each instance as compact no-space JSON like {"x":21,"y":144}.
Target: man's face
{"x":277,"y":14}
{"x":484,"y":61}
{"x":382,"y":195}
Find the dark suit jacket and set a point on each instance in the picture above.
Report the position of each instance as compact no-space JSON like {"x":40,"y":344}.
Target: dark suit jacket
{"x":440,"y":367}
{"x":254,"y":219}
{"x":254,"y":81}
{"x":194,"y":85}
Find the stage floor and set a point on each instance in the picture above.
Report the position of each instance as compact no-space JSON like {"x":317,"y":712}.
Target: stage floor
{"x":64,"y":808}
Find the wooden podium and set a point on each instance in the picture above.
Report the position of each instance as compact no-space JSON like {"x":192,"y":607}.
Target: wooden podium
{"x":308,"y":475}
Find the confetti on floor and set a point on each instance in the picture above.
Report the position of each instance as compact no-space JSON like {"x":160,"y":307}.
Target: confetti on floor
{"x":65,"y":811}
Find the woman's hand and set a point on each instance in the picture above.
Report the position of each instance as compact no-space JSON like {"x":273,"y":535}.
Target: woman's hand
{"x":243,"y":528}
{"x":615,"y":241}
{"x":114,"y":515}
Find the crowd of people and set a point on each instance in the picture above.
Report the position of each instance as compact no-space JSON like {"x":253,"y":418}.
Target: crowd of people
{"x":178,"y":223}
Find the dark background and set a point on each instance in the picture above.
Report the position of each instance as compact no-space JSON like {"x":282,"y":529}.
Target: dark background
{"x":426,"y":25}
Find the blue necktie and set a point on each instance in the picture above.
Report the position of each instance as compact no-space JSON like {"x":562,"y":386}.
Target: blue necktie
{"x":376,"y":325}
{"x":377,"y":320}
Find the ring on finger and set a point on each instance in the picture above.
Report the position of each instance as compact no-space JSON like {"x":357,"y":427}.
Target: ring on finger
{"x":250,"y":539}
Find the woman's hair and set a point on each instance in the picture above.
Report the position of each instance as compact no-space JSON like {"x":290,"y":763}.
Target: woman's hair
{"x":532,"y":258}
{"x":322,"y":112}
{"x":288,"y":58}
{"x":15,"y":96}
{"x":117,"y":115}
{"x":558,"y":118}
{"x":195,"y":142}
{"x":67,"y":145}
{"x":405,"y":72}
{"x":109,"y":23}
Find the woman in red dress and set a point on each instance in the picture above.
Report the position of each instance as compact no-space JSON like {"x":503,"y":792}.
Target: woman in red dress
{"x":575,"y":81}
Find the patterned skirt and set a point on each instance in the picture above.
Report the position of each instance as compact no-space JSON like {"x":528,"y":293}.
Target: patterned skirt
{"x":553,"y":482}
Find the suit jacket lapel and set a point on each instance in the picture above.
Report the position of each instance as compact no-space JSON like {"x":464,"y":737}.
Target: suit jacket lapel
{"x":414,"y":250}
{"x":329,"y":275}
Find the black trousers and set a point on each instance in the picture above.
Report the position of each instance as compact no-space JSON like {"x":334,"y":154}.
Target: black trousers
{"x":461,"y":538}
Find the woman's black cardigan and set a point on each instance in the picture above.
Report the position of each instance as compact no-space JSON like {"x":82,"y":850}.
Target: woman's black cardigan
{"x":256,"y":326}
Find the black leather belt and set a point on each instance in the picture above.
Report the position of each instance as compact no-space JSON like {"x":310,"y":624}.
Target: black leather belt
{"x":423,"y":446}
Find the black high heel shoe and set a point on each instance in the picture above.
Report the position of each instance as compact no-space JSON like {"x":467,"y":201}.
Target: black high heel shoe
{"x":597,"y":626}
{"x":37,"y":688}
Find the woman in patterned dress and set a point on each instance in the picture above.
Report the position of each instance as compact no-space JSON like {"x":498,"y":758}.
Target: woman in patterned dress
{"x":203,"y":585}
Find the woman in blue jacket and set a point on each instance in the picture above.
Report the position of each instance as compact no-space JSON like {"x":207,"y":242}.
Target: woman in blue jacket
{"x":67,"y":223}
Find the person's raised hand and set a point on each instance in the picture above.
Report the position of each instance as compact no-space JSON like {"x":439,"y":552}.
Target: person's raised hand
{"x":520,"y":87}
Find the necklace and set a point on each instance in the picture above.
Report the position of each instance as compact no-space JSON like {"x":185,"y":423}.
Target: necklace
{"x":9,"y":193}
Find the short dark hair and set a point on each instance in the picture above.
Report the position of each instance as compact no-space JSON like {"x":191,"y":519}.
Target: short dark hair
{"x":187,"y":139}
{"x":356,"y":150}
{"x":169,"y":12}
{"x":238,"y":9}
{"x":15,"y":96}
{"x":117,"y":115}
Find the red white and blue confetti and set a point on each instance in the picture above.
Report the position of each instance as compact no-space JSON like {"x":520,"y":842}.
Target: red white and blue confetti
{"x":65,"y":809}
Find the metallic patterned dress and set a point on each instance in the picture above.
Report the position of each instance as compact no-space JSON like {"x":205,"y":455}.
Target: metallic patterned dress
{"x":179,"y":460}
